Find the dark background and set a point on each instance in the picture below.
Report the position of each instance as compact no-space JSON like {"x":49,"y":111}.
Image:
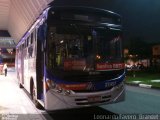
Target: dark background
{"x":141,"y":18}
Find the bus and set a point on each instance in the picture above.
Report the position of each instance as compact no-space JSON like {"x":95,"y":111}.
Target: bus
{"x":72,"y":57}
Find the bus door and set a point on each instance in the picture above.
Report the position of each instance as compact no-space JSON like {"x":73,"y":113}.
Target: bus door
{"x":40,"y":61}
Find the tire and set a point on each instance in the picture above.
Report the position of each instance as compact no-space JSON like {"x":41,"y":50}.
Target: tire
{"x":34,"y":99}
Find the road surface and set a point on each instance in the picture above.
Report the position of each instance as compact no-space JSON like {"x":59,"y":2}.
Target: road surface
{"x":138,"y":101}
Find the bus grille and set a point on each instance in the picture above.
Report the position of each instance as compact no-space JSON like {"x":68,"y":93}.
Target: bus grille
{"x":85,"y":91}
{"x":87,"y":101}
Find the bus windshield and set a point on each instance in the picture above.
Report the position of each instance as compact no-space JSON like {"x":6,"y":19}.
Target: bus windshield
{"x":81,"y":47}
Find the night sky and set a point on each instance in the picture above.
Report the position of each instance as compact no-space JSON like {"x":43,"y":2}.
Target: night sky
{"x":141,"y":18}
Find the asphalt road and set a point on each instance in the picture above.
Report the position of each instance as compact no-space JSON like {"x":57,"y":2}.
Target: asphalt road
{"x":88,"y":113}
{"x":138,"y":101}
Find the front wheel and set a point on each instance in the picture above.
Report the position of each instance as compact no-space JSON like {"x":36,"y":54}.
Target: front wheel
{"x":34,"y":99}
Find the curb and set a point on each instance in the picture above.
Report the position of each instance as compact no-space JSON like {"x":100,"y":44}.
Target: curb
{"x":143,"y":86}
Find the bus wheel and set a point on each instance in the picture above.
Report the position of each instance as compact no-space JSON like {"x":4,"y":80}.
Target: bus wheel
{"x":33,"y":95}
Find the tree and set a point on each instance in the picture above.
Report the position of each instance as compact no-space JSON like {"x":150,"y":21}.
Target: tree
{"x":137,"y":46}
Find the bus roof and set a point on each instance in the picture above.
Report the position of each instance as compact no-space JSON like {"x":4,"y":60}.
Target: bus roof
{"x":84,"y":9}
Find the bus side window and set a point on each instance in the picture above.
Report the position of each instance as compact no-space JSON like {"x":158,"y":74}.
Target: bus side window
{"x":24,"y":50}
{"x":34,"y":43}
{"x":23,"y":46}
{"x":30,"y":51}
{"x":27,"y":42}
{"x":31,"y":38}
{"x":30,"y":48}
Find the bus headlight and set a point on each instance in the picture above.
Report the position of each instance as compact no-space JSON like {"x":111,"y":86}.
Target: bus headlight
{"x":59,"y":89}
{"x":50,"y":84}
{"x":67,"y":92}
{"x":62,"y":90}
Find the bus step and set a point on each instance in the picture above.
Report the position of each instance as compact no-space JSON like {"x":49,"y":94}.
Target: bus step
{"x":41,"y":102}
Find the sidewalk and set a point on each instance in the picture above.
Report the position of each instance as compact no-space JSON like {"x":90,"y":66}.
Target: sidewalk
{"x":139,"y":84}
{"x":14,"y":103}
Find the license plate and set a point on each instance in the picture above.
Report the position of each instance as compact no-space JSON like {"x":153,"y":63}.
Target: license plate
{"x":94,"y":99}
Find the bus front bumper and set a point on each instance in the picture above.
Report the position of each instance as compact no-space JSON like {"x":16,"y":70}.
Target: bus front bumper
{"x":55,"y":101}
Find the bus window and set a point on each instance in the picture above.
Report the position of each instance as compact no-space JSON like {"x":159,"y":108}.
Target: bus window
{"x":26,"y":44}
{"x":27,"y":40}
{"x":23,"y":46}
{"x":31,"y":38}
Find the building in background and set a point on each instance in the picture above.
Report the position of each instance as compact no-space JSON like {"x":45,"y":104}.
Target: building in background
{"x":135,"y":59}
{"x":156,"y":50}
{"x":7,"y":51}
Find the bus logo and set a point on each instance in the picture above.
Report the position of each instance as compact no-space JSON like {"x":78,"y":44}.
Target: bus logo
{"x":90,"y":86}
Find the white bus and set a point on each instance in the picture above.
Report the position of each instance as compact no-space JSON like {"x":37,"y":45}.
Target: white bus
{"x":72,"y":57}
